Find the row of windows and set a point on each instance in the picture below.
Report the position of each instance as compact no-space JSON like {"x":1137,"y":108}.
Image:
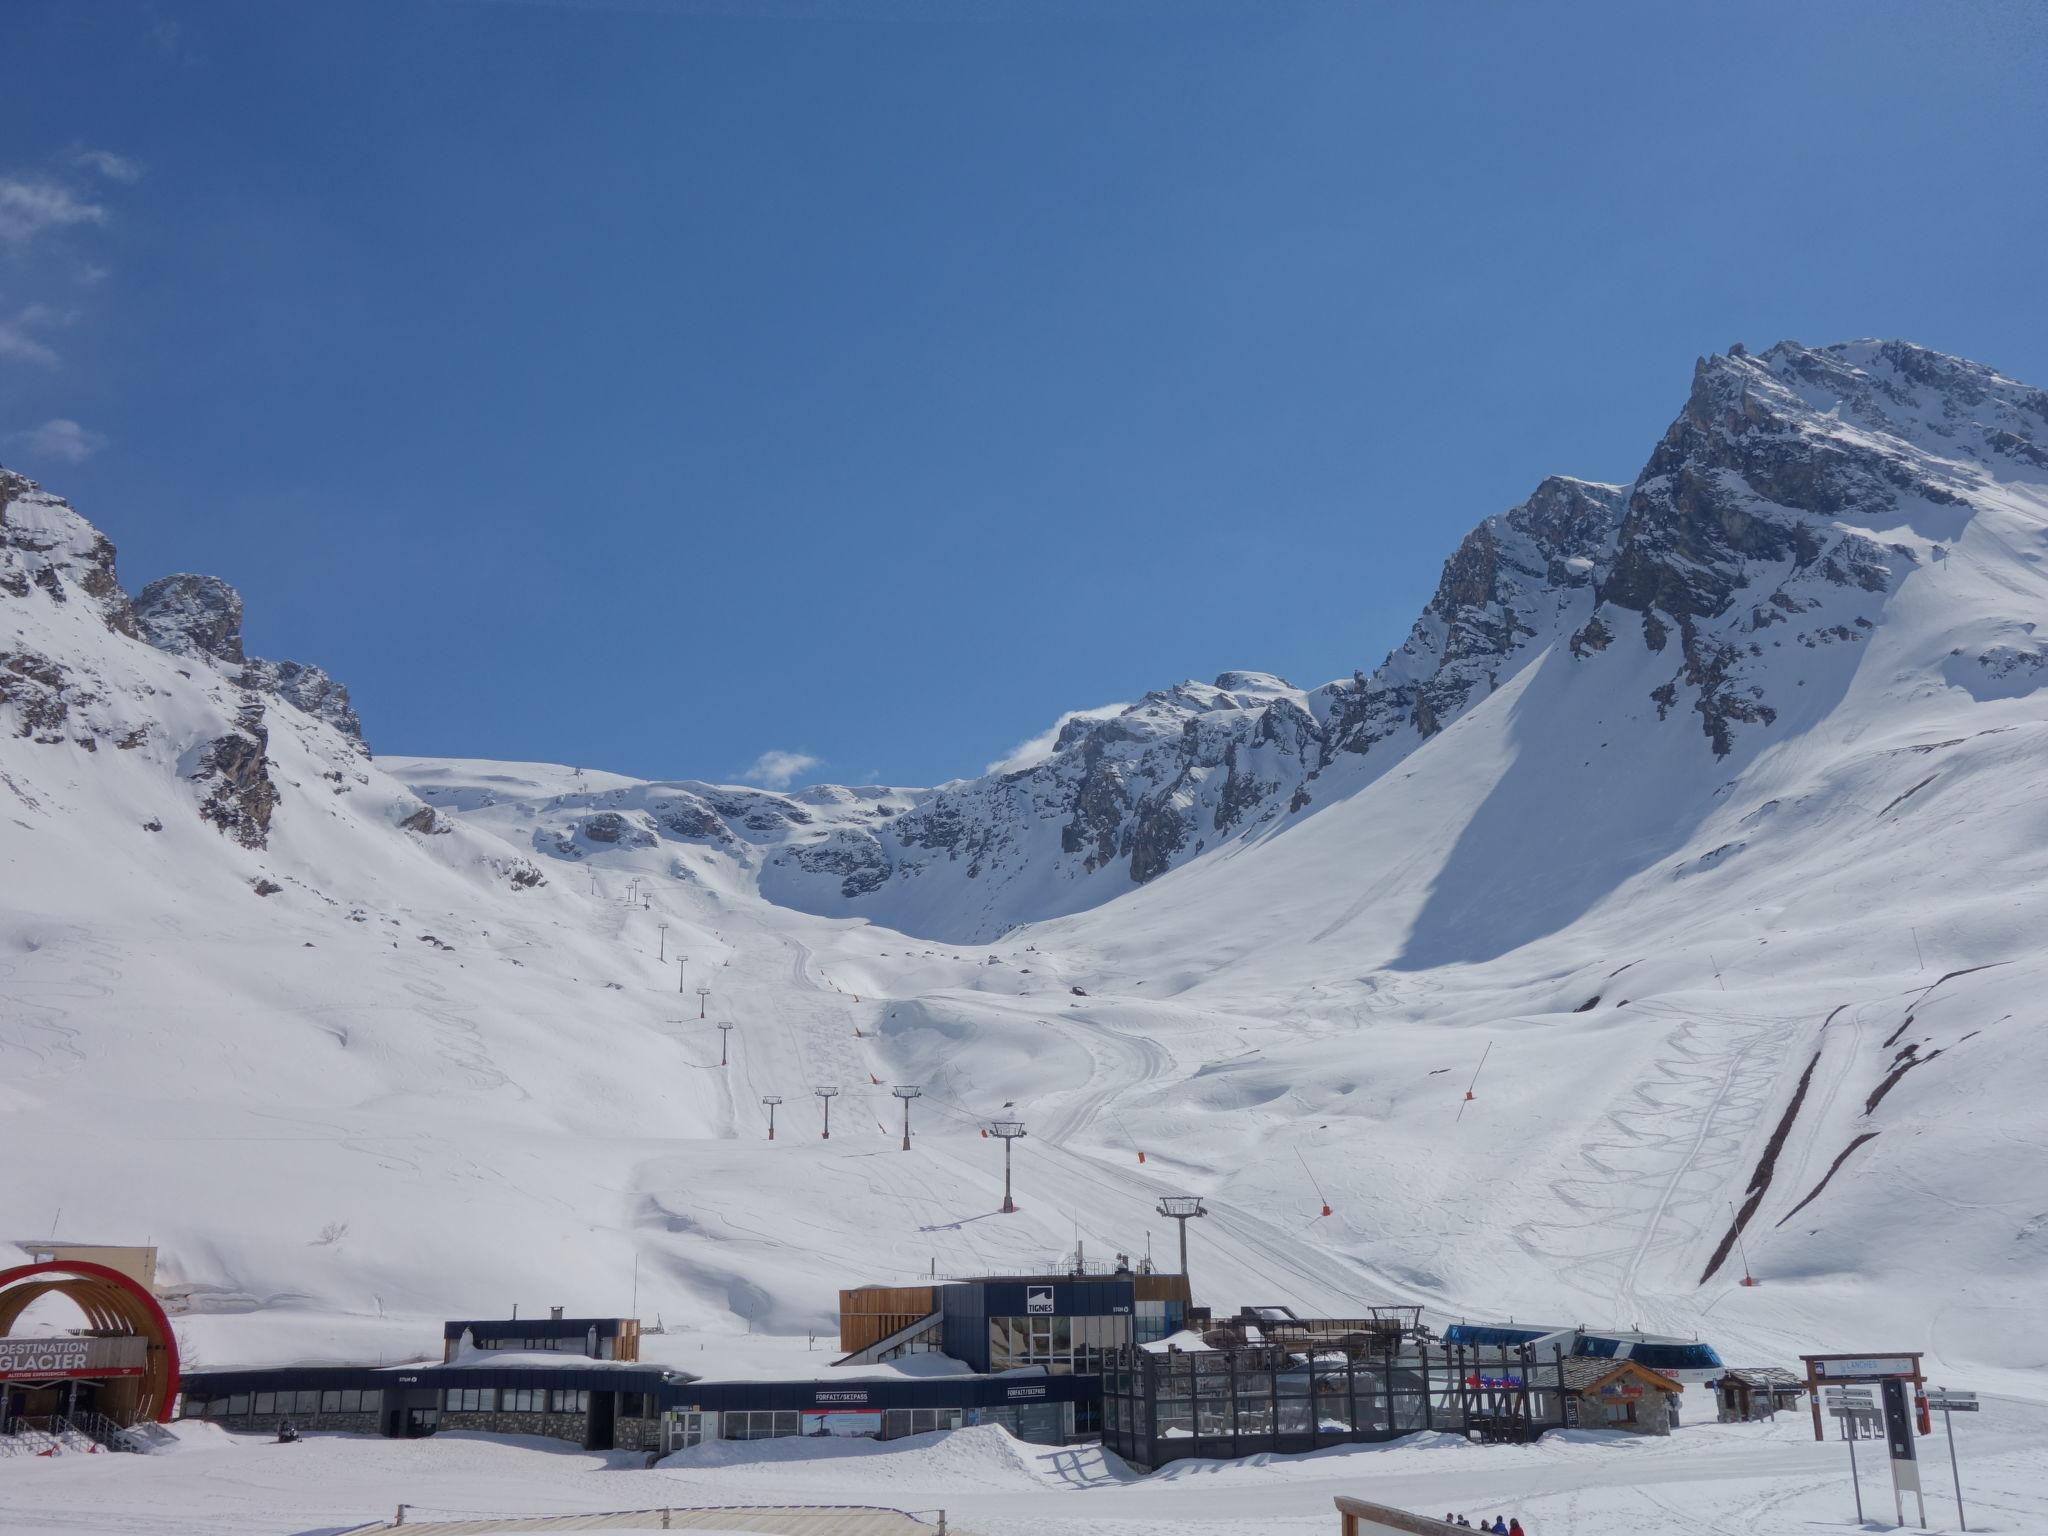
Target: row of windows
{"x":759,"y":1424}
{"x":518,"y":1400}
{"x":575,"y":1344}
{"x":266,"y":1404}
{"x":1061,"y":1345}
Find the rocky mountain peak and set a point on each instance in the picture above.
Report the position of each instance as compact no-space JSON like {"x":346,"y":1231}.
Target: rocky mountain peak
{"x":45,"y":545}
{"x":189,"y":615}
{"x":201,"y":617}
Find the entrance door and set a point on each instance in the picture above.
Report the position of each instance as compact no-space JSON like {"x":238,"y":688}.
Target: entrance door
{"x":602,"y":1427}
{"x":420,"y":1422}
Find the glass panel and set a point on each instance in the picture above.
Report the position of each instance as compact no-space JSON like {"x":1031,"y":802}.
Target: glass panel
{"x":266,"y":1403}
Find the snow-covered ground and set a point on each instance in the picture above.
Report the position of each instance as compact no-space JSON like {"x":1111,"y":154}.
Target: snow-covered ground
{"x":1737,"y":1480}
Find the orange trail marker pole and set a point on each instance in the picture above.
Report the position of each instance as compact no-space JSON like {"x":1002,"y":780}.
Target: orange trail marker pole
{"x":1312,"y":1180}
{"x":1469,"y":1094}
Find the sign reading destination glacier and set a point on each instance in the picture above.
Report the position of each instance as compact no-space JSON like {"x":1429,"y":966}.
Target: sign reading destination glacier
{"x":43,"y":1357}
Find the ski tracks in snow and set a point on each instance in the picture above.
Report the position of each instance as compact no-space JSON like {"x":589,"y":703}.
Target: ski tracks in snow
{"x":1656,"y":1169}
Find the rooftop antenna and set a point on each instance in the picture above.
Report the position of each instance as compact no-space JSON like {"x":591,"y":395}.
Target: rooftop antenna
{"x":906,"y":1093}
{"x":826,"y":1093}
{"x":1469,"y":1094}
{"x":703,"y":996}
{"x":1008,"y":1131}
{"x":1182,"y":1209}
{"x":771,"y":1100}
{"x":724,"y":1034}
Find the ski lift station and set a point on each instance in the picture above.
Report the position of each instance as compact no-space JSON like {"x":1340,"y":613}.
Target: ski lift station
{"x":1075,"y":1351}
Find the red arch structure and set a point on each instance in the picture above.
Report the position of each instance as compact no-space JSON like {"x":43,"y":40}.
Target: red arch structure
{"x":113,"y":1303}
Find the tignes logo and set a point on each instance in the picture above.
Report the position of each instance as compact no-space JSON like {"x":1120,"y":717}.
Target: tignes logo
{"x":1038,"y":1298}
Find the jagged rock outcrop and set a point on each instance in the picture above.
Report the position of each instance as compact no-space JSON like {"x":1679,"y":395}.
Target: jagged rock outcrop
{"x":1746,"y":516}
{"x":45,"y":545}
{"x":201,"y":617}
{"x":234,"y":772}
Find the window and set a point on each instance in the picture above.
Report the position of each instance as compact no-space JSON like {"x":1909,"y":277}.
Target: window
{"x":472,"y":1399}
{"x":526,"y":1400}
{"x":759,"y":1424}
{"x":266,"y":1404}
{"x":562,"y":1400}
{"x":330,"y":1402}
{"x":373,"y":1401}
{"x":309,"y":1402}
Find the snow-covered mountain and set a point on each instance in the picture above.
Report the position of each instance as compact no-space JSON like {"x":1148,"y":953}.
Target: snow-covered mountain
{"x":1706,"y":811}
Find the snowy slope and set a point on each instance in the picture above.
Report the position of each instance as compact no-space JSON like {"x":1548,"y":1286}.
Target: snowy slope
{"x":1680,"y":796}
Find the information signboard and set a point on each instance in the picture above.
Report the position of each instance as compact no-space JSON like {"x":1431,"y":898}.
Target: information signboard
{"x":43,"y":1357}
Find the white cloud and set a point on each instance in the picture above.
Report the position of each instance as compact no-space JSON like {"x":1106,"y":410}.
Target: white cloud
{"x":16,"y":343}
{"x":60,"y":438}
{"x":778,"y":770}
{"x":110,"y":165}
{"x":27,"y":208}
{"x":1029,"y":754}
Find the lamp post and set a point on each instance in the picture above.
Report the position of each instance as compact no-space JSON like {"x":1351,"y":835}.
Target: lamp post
{"x":771,"y":1100}
{"x":906,"y":1093}
{"x":724,"y":1034}
{"x":1007,"y":1131}
{"x":827,"y":1094}
{"x":1182,"y":1209}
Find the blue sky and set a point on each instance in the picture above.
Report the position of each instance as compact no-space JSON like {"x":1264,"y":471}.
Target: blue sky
{"x":657,"y":385}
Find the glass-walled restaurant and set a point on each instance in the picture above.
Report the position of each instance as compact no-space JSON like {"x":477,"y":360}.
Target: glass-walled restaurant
{"x":1244,"y":1400}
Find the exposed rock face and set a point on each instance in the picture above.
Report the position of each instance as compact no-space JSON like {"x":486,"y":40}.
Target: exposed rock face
{"x":1745,"y":516}
{"x":234,"y":770}
{"x":306,"y":687}
{"x":201,"y":617}
{"x":46,"y":545}
{"x":189,"y":615}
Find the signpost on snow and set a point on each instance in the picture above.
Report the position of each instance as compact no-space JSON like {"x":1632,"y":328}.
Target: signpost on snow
{"x":1898,"y":1430}
{"x":1953,"y":1402}
{"x":1855,"y":1407}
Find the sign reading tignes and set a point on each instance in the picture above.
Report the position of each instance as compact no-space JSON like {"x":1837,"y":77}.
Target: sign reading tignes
{"x":826,"y":1093}
{"x":906,"y":1093}
{"x":1008,"y":1131}
{"x":771,"y":1100}
{"x":1182,"y":1209}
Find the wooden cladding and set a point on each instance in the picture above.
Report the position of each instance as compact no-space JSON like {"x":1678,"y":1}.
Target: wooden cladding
{"x":870,"y":1313}
{"x":1162,"y":1288}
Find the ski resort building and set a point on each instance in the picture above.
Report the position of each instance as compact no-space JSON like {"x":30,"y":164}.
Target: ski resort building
{"x":1757,"y":1392}
{"x":1270,"y":1382}
{"x":596,"y":1338}
{"x":87,"y":1386}
{"x":1684,"y":1360}
{"x":1066,"y":1322}
{"x":1620,"y":1394}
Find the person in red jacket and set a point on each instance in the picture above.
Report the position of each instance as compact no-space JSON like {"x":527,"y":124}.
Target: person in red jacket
{"x":1515,"y":1528}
